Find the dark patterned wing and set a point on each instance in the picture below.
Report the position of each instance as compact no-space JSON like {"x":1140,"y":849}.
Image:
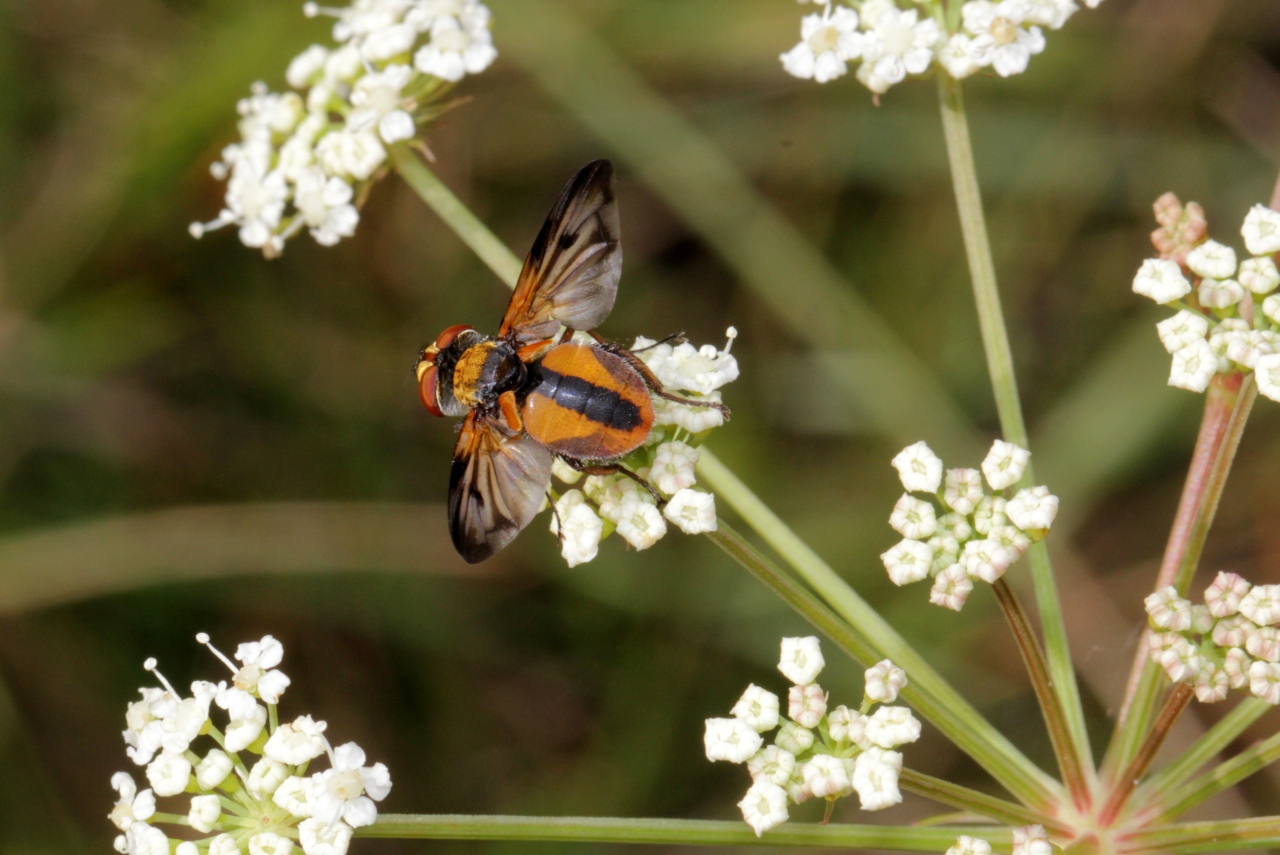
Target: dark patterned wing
{"x":571,"y":274}
{"x":496,"y":486}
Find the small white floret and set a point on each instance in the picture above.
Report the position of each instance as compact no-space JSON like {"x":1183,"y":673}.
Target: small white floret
{"x":966,"y":845}
{"x":1161,"y":280}
{"x":764,"y":806}
{"x":1031,"y":840}
{"x":757,"y":707}
{"x":1167,"y":610}
{"x":986,"y":560}
{"x":1220,"y":293}
{"x":825,"y":776}
{"x":1259,"y":275}
{"x":269,"y":843}
{"x":169,"y":774}
{"x":1193,"y":367}
{"x":1212,"y":260}
{"x":731,"y":740}
{"x":1264,"y":681}
{"x":673,"y":467}
{"x":801,"y":661}
{"x":1223,"y":596}
{"x":908,"y":561}
{"x":794,"y":737}
{"x":692,"y":511}
{"x":204,"y":813}
{"x":951,"y":588}
{"x":913,"y":518}
{"x":1262,"y":605}
{"x":1183,"y":329}
{"x":919,"y":468}
{"x":806,"y":705}
{"x":963,"y":490}
{"x":297,"y":742}
{"x":1267,"y":373}
{"x":883,"y":681}
{"x":875,"y":777}
{"x":1261,"y":230}
{"x":1004,"y":464}
{"x":640,"y":523}
{"x":773,"y":764}
{"x":1033,"y":509}
{"x":320,"y":838}
{"x":827,"y":42}
{"x":1211,"y":685}
{"x":1235,"y":664}
{"x":891,"y":726}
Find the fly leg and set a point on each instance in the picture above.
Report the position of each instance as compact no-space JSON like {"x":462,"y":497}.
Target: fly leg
{"x":654,"y":384}
{"x":555,"y":512}
{"x":587,"y":467}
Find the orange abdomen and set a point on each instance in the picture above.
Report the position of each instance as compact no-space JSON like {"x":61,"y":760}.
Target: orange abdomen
{"x":589,"y":404}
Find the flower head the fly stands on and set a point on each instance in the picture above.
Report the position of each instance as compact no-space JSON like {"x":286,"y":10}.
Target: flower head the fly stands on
{"x":817,"y":751}
{"x":1228,"y":316}
{"x":890,"y":42}
{"x":964,"y":525}
{"x":244,"y":787}
{"x":602,"y":504}
{"x":308,"y":156}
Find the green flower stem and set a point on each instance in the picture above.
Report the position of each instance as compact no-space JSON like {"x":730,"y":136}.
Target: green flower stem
{"x":940,"y":703}
{"x":829,"y":624}
{"x":1205,"y":749}
{"x":1055,"y":719}
{"x":1226,"y":409}
{"x":927,"y":691}
{"x":674,"y":831}
{"x":1260,"y":833}
{"x":1141,"y":762}
{"x":995,"y":341}
{"x":441,"y":199}
{"x":974,"y":802}
{"x":1220,"y":778}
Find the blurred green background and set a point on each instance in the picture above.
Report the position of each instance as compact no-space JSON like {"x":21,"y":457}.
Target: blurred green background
{"x":193,"y":438}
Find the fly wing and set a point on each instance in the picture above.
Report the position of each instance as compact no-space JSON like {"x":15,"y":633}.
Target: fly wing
{"x":495,"y":488}
{"x":571,"y":274}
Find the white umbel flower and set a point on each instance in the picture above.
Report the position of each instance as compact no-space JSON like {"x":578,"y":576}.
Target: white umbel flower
{"x":907,"y":561}
{"x":1031,"y":840}
{"x":673,"y":467}
{"x":579,"y":528}
{"x":1033,"y":509}
{"x":764,"y":806}
{"x":919,"y":468}
{"x":883,"y":681}
{"x":1262,"y":605}
{"x":1267,"y":373}
{"x":875,"y":777}
{"x":640,"y":523}
{"x":961,"y":55}
{"x":1220,"y":293}
{"x":1161,"y":280}
{"x":320,"y":838}
{"x":692,"y":511}
{"x":1264,"y":681}
{"x":801,"y":661}
{"x":1259,"y":275}
{"x":1193,"y":366}
{"x":457,"y":48}
{"x":169,"y":774}
{"x":213,"y":769}
{"x":1168,"y":610}
{"x":914,"y":519}
{"x":1212,"y":260}
{"x":324,"y":203}
{"x":348,"y":791}
{"x":379,"y":104}
{"x":966,"y":845}
{"x":772,"y":764}
{"x":827,"y":42}
{"x":1182,"y":330}
{"x":998,"y":31}
{"x":1261,"y":230}
{"x":132,"y":806}
{"x":757,"y":707}
{"x":1223,"y":596}
{"x":951,"y":588}
{"x":1004,"y":464}
{"x":890,"y":727}
{"x":963,"y":490}
{"x":731,"y":740}
{"x":204,"y":813}
{"x":806,"y":705}
{"x":826,"y":776}
{"x":296,"y":742}
{"x":896,"y":44}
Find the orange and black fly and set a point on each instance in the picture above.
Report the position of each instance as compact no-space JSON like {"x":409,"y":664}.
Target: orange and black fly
{"x":530,"y":394}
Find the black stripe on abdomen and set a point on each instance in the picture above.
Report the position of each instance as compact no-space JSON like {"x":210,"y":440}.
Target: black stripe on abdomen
{"x":594,"y":403}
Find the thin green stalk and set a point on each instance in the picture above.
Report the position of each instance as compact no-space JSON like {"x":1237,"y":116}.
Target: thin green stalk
{"x":1222,"y":734}
{"x":1225,"y":835}
{"x":1141,"y":762}
{"x":995,"y":341}
{"x":441,"y":199}
{"x":579,"y":829}
{"x":829,"y":623}
{"x":1055,"y":719}
{"x":928,"y":692}
{"x":976,"y":803}
{"x":1226,"y":410}
{"x":1221,"y":777}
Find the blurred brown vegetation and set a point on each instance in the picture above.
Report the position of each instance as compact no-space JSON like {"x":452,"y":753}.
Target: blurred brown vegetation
{"x":192,"y":438}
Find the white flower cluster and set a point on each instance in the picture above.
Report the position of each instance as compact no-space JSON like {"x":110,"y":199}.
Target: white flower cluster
{"x":307,"y":156}
{"x":891,"y":42}
{"x":1029,"y":840}
{"x":608,"y":503}
{"x":817,"y":752}
{"x":1230,"y":642}
{"x":962,"y":532}
{"x":249,"y":791}
{"x":1228,"y":316}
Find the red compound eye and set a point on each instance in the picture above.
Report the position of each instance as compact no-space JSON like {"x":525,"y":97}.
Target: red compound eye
{"x":427,"y":389}
{"x":446,"y":338}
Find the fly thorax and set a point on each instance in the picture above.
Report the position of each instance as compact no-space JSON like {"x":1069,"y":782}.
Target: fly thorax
{"x":484,"y":371}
